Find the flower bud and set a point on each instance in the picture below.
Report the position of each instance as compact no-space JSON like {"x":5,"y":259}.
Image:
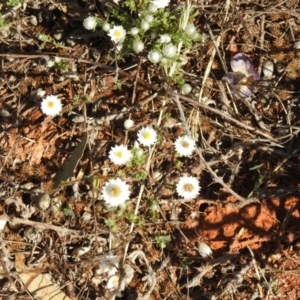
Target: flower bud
{"x":149,"y":18}
{"x":186,"y":89}
{"x":190,"y":29}
{"x":90,"y":23}
{"x":138,"y":46}
{"x":106,"y":26}
{"x":128,"y":124}
{"x":134,"y":31}
{"x":154,"y":56}
{"x":145,"y":25}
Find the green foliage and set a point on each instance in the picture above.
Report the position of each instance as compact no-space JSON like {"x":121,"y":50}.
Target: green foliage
{"x":2,"y":21}
{"x":44,"y":38}
{"x":162,"y":240}
{"x":77,"y":98}
{"x":178,"y":164}
{"x":138,"y":157}
{"x":118,"y":85}
{"x":14,"y":3}
{"x":68,"y":212}
{"x":185,"y":263}
{"x":131,"y":5}
{"x":153,"y":211}
{"x":112,"y":225}
{"x":167,"y":116}
{"x":132,"y":13}
{"x":87,"y":98}
{"x":141,"y":175}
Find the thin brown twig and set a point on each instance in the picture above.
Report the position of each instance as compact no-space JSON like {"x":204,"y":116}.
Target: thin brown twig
{"x":227,"y":117}
{"x":61,"y":230}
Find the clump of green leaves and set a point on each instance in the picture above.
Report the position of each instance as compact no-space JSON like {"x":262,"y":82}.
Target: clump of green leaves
{"x":13,"y":3}
{"x":165,"y":36}
{"x":44,"y":38}
{"x":68,"y":212}
{"x":162,"y":240}
{"x":112,"y":225}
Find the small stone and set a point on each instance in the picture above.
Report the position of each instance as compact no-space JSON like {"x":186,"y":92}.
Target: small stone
{"x":44,"y":201}
{"x":297,"y":45}
{"x":204,"y":250}
{"x":268,"y":68}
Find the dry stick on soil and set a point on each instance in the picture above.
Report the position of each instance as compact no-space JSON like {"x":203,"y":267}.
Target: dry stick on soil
{"x":59,"y":230}
{"x":262,"y":40}
{"x":4,"y":260}
{"x":202,"y":160}
{"x":206,"y":74}
{"x":229,"y":118}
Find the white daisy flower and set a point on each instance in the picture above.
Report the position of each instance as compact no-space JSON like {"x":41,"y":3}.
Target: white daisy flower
{"x":165,"y":38}
{"x":120,"y":155}
{"x":160,"y":3}
{"x":154,"y":56}
{"x":169,"y":50}
{"x":128,"y":124}
{"x":109,"y":265}
{"x":117,"y":34}
{"x":188,"y":187}
{"x":90,"y":23}
{"x":115,"y":192}
{"x":147,"y":136}
{"x":51,"y":106}
{"x":185,"y":146}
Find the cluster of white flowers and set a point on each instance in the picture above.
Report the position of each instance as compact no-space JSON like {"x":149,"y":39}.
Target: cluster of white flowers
{"x":165,"y":51}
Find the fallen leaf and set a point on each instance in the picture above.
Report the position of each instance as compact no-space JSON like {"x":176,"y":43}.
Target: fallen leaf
{"x":37,"y":283}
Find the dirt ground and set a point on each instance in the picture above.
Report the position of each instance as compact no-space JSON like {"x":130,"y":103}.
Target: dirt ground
{"x":248,"y":211}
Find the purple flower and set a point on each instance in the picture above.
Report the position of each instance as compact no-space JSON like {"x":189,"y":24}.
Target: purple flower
{"x":243,"y":78}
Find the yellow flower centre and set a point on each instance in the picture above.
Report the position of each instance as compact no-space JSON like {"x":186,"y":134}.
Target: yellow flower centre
{"x":51,"y":104}
{"x":119,"y":154}
{"x":188,"y":187}
{"x":118,"y":33}
{"x":115,"y":191}
{"x":185,"y":144}
{"x":147,"y":135}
